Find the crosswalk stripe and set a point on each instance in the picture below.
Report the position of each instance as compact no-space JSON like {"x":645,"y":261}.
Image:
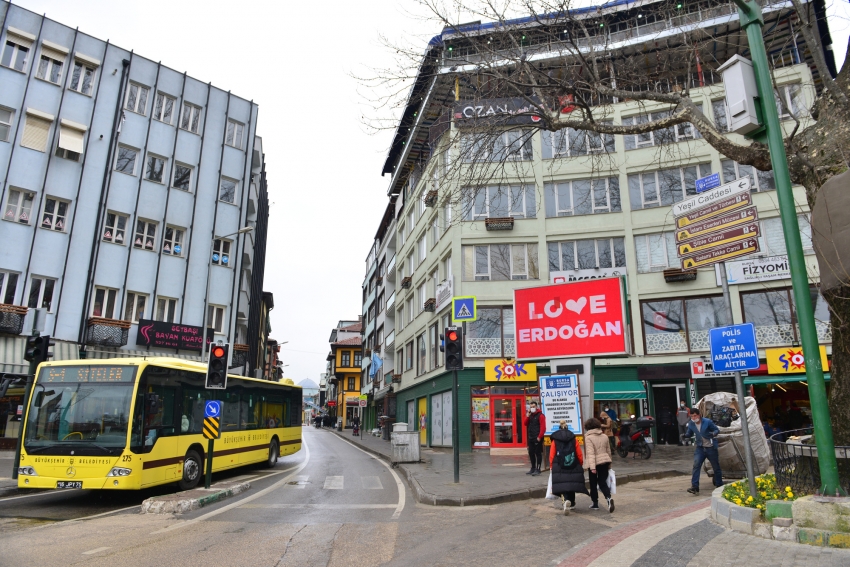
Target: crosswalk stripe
{"x":301,"y":481}
{"x":371,"y":483}
{"x":333,"y":483}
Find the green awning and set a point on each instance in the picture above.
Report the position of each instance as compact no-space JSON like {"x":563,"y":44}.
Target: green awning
{"x":779,"y":378}
{"x":619,"y":390}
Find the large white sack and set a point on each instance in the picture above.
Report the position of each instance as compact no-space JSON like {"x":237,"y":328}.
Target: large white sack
{"x":730,"y":446}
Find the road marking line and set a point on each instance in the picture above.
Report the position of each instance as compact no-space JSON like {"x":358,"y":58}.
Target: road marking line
{"x":399,"y":485}
{"x":333,"y":483}
{"x":325,"y":506}
{"x":371,"y":483}
{"x":72,"y":491}
{"x":241,"y":478}
{"x":245,"y":500}
{"x":301,"y":478}
{"x":96,"y":550}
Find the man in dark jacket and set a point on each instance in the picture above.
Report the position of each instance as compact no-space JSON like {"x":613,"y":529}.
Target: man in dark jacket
{"x":566,"y":480}
{"x":705,"y":433}
{"x":535,"y":429}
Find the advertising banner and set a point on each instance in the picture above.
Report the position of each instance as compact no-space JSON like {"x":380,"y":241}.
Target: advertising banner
{"x":559,"y":400}
{"x":567,"y":276}
{"x":495,"y":111}
{"x":171,"y":335}
{"x":570,"y":319}
{"x":790,"y":360}
{"x":509,"y":370}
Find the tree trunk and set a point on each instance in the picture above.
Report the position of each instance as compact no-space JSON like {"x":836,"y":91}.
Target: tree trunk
{"x":839,"y":395}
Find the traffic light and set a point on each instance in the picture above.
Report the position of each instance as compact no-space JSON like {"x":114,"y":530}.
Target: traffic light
{"x":38,"y":349}
{"x":217,"y":367}
{"x":453,"y":349}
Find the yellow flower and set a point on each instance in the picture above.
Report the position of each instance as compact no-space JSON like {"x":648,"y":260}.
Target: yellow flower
{"x":790,"y":495}
{"x":764,"y":494}
{"x":787,"y":489}
{"x":749,"y":499}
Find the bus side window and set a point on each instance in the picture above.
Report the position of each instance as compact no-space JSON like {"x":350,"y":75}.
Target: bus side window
{"x":274,"y":410}
{"x":192,"y":418}
{"x":230,"y":419}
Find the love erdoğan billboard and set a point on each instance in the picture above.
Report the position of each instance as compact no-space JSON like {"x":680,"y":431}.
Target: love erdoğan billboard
{"x":585,"y":318}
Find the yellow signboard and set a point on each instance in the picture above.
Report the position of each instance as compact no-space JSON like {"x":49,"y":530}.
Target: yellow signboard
{"x":509,"y":370}
{"x":790,"y":360}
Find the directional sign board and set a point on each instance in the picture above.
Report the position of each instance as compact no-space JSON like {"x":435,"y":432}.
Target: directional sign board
{"x":721,"y":254}
{"x":726,"y":205}
{"x":212,"y":420}
{"x":463,"y":309}
{"x":212,"y":409}
{"x":733,"y":348}
{"x":722,"y":222}
{"x":708,"y":182}
{"x":710,"y":197}
{"x":718,"y":238}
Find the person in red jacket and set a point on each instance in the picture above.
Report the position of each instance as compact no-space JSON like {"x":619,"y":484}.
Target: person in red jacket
{"x":535,"y":429}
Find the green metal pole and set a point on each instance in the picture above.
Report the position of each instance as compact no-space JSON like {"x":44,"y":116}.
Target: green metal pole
{"x":752,"y":22}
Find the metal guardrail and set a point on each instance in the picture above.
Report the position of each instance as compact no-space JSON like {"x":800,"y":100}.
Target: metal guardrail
{"x":795,"y":463}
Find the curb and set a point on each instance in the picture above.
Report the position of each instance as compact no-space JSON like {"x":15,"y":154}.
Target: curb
{"x":431,"y":499}
{"x":189,"y":500}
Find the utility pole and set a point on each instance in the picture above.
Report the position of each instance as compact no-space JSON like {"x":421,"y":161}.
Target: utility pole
{"x":752,"y":21}
{"x":27,"y":390}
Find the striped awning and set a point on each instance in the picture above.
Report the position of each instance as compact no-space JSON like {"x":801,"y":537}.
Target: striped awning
{"x":12,"y":353}
{"x":619,"y":390}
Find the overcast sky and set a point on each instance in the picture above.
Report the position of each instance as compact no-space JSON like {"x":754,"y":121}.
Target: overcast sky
{"x":294,"y":60}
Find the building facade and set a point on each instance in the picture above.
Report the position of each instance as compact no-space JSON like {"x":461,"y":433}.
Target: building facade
{"x":343,"y":372}
{"x":559,"y":215}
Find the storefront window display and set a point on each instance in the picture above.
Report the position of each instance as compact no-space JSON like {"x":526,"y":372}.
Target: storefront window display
{"x":492,"y":334}
{"x":497,"y":414}
{"x":681,"y":325}
{"x":10,"y":419}
{"x":776,"y":322}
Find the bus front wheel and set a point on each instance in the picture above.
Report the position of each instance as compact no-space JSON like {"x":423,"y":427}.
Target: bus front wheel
{"x":191,"y":471}
{"x":274,"y":452}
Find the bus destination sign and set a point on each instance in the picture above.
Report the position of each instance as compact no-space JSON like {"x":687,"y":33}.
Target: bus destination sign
{"x":171,"y":335}
{"x":94,"y":373}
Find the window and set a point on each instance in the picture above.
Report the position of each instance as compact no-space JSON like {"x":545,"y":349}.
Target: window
{"x":499,"y":202}
{"x":137,"y":98}
{"x":19,"y":206}
{"x":71,"y":138}
{"x":55,"y":213}
{"x":82,"y":77}
{"x":512,"y":145}
{"x":434,"y":231}
{"x":358,"y":358}
{"x":656,"y":252}
{"x":50,"y":65}
{"x":410,"y":265}
{"x":190,"y":117}
{"x":420,"y":298}
{"x":113,"y":230}
{"x":233,"y":135}
{"x":447,"y":216}
{"x":16,"y":52}
{"x":345,"y":359}
{"x":761,"y":180}
{"x":5,"y":124}
{"x":182,"y":178}
{"x":165,"y":309}
{"x":790,"y":101}
{"x":422,"y":248}
{"x":408,"y":356}
{"x":420,"y":355}
{"x":774,"y":316}
{"x":411,"y":310}
{"x":582,"y":197}
{"x":227,"y":192}
{"x":492,"y":334}
{"x":721,"y":116}
{"x":665,"y":187}
{"x":135,"y":306}
{"x":499,"y":262}
{"x":682,"y":325}
{"x":678,"y":133}
{"x":154,"y":167}
{"x":434,"y":341}
{"x":36,"y":131}
{"x":41,"y":293}
{"x":8,"y":285}
{"x":587,"y":254}
{"x":772,"y":237}
{"x":446,"y":267}
{"x":570,"y":143}
{"x":145,"y":235}
{"x":126,"y":161}
{"x":172,"y":243}
{"x":380,"y":302}
{"x":104,"y":302}
{"x":215,"y":318}
{"x":400,"y":233}
{"x":221,"y":252}
{"x":350,"y":384}
{"x":163,"y":108}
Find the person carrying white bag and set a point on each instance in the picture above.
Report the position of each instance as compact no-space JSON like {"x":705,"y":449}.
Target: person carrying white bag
{"x":597,"y":462}
{"x":612,"y":482}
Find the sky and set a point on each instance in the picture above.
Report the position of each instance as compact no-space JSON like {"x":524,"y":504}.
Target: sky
{"x":297,"y":62}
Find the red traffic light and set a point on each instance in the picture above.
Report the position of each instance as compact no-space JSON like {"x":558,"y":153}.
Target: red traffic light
{"x":451,"y":336}
{"x":218,"y":351}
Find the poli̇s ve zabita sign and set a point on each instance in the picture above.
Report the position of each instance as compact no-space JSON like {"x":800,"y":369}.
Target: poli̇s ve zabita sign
{"x":585,"y":318}
{"x":734,"y":348}
{"x":559,"y":400}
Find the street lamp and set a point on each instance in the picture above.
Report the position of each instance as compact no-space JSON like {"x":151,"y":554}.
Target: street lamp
{"x":244,"y":230}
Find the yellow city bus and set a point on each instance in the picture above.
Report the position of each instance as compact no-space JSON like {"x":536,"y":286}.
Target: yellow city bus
{"x":132,"y":423}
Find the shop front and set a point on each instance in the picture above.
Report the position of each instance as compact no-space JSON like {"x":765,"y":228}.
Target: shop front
{"x":352,"y":410}
{"x":11,"y":410}
{"x":624,"y":397}
{"x":499,"y":407}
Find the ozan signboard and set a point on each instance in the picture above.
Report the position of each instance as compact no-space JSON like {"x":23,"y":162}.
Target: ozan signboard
{"x":584,"y":318}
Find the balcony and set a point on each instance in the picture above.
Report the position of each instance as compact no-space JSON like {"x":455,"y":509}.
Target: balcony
{"x":12,"y":318}
{"x":389,"y":341}
{"x":406,"y":282}
{"x":431,"y":198}
{"x":391,"y":302}
{"x":240,"y":355}
{"x":391,"y":268}
{"x":107,"y":332}
{"x":499,"y":223}
{"x":430,"y":305}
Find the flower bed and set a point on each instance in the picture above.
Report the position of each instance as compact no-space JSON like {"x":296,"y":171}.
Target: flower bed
{"x":766,"y":489}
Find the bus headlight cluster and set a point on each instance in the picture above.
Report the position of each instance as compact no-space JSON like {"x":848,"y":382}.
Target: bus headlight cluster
{"x":118,"y":471}
{"x":29,"y":471}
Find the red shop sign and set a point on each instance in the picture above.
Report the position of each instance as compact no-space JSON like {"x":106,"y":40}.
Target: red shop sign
{"x":584,"y":318}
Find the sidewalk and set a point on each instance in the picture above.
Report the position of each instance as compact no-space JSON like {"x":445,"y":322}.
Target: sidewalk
{"x":8,"y":486}
{"x":492,"y":479}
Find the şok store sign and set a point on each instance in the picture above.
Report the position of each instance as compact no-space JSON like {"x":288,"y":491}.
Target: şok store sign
{"x":572,"y":319}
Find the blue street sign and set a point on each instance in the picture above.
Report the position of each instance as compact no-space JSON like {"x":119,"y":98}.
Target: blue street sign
{"x":708,"y":182}
{"x":463,"y":309}
{"x":212,"y":409}
{"x":734,"y":348}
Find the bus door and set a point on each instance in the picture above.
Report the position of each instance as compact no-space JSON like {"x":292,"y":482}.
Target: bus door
{"x":155,"y":429}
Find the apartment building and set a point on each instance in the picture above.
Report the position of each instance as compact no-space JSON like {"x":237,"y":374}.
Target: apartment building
{"x":559,"y":214}
{"x":343,"y":372}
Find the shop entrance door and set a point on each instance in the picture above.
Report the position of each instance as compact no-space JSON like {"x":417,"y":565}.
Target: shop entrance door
{"x":441,"y":419}
{"x":506,"y":413}
{"x":666,"y":399}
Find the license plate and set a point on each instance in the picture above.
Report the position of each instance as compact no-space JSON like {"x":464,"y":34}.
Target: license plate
{"x":69,"y":484}
{"x":648,"y":439}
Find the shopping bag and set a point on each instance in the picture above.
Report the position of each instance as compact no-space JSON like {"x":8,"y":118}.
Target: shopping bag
{"x":612,"y":481}
{"x":549,"y":495}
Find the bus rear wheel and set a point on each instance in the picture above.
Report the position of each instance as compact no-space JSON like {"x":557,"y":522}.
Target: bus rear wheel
{"x":274,"y":453}
{"x":191,"y":471}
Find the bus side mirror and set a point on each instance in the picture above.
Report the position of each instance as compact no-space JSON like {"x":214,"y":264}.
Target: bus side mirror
{"x":39,"y":397}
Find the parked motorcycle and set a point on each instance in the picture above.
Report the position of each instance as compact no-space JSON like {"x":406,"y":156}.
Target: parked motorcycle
{"x":638,"y":441}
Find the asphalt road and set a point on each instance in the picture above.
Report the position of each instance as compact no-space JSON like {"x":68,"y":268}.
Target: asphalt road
{"x":332,"y":505}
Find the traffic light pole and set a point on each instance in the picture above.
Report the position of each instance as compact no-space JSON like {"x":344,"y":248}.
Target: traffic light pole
{"x":752,"y":21}
{"x":208,"y":478}
{"x":455,"y":431}
{"x":27,"y":389}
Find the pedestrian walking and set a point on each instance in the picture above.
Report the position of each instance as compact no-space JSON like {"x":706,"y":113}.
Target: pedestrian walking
{"x":597,"y":462}
{"x":611,"y":413}
{"x":665,"y":424}
{"x":565,"y":460}
{"x":608,"y":429}
{"x":535,"y":427}
{"x":683,"y":417}
{"x":705,"y":433}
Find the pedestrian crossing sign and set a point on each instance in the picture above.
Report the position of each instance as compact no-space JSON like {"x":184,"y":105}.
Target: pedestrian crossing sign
{"x":463,"y":309}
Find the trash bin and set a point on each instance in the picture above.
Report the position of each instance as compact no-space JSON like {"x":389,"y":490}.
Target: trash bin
{"x":405,"y":446}
{"x":399,"y":426}
{"x":339,"y":424}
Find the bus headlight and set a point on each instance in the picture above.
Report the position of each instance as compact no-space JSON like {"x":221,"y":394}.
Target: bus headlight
{"x":29,"y":471}
{"x":119,"y":471}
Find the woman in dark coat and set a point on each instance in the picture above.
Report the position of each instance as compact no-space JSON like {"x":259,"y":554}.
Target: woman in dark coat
{"x":566,"y":481}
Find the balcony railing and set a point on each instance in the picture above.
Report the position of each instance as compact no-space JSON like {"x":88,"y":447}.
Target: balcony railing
{"x":391,"y":268}
{"x":391,"y":302}
{"x":107,"y":332}
{"x":390,"y":340}
{"x":489,"y":348}
{"x":12,"y":318}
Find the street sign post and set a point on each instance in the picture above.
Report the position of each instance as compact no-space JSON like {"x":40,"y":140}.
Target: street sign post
{"x":463,"y":309}
{"x":727,"y":205}
{"x":728,"y":252}
{"x":718,"y":238}
{"x":212,"y":431}
{"x":733,"y":348}
{"x":708,"y":182}
{"x":722,"y":222}
{"x":708,"y":198}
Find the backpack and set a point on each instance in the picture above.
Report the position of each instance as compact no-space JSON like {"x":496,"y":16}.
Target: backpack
{"x":567,"y":457}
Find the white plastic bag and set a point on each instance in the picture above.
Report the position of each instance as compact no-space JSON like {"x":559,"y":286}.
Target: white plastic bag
{"x":612,"y":481}
{"x":549,"y":495}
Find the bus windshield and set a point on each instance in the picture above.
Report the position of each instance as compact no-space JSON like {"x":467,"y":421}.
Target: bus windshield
{"x":84,"y":409}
